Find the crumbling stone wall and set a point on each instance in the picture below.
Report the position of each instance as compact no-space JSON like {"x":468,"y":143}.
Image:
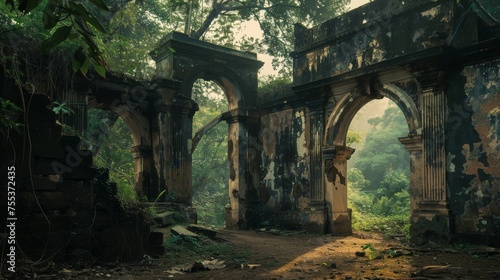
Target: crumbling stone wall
{"x":64,"y":205}
{"x":287,"y":150}
{"x":473,"y":146}
{"x":371,"y":34}
{"x":438,"y":61}
{"x":285,"y":161}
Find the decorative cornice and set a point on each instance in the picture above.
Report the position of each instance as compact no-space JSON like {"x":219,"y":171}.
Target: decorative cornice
{"x":244,"y":115}
{"x":440,"y":57}
{"x":431,"y":81}
{"x":179,"y":44}
{"x":412,"y":143}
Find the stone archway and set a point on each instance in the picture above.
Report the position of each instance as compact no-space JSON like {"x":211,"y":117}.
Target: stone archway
{"x":336,"y":153}
{"x":236,"y":73}
{"x":243,"y":121}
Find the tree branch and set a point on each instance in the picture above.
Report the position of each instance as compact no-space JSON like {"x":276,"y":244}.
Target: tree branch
{"x":259,"y":8}
{"x":223,"y":8}
{"x":202,"y":131}
{"x":214,"y":13}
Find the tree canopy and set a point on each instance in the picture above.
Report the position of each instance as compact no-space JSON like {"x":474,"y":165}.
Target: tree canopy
{"x":118,"y":34}
{"x":379,"y":181}
{"x":375,"y":162}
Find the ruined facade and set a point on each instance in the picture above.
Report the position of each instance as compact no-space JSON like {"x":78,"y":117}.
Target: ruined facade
{"x":439,"y":63}
{"x":437,"y":60}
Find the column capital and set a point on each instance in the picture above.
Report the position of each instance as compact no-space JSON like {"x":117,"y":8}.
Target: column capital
{"x":316,"y":106}
{"x":180,"y":104}
{"x":412,"y":143}
{"x":183,"y":105}
{"x":337,"y":152}
{"x":431,"y":81}
{"x":243,"y":115}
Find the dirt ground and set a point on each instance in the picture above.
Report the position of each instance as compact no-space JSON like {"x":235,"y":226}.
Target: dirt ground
{"x":306,"y":256}
{"x":264,"y":255}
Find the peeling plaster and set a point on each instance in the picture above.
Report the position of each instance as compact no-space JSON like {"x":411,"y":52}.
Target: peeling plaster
{"x":302,"y":148}
{"x":270,"y":174}
{"x":432,"y":13}
{"x":417,"y":34}
{"x":450,"y":164}
{"x":471,"y":152}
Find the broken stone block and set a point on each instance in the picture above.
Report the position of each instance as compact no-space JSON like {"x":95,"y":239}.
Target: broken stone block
{"x":164,"y":218}
{"x":81,"y":173}
{"x":155,"y":238}
{"x":202,"y":230}
{"x":44,"y":182}
{"x":156,"y":250}
{"x":179,"y":230}
{"x":40,"y":224}
{"x":45,"y":146}
{"x":155,"y":244}
{"x":57,"y":200}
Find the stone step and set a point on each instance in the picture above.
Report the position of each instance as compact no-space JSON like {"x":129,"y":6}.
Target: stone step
{"x":164,"y":218}
{"x":202,"y":230}
{"x":182,"y":231}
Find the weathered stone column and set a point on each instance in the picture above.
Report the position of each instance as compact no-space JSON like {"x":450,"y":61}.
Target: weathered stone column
{"x":335,"y":178}
{"x":243,"y":156}
{"x":431,"y":212}
{"x":142,"y":170}
{"x":414,"y":146}
{"x":316,"y":209}
{"x":172,"y":144}
{"x":316,"y":135}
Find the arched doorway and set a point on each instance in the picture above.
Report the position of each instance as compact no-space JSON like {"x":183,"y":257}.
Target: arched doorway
{"x":336,"y":153}
{"x":378,"y":170}
{"x":236,"y":73}
{"x":209,"y":152}
{"x":242,"y":149}
{"x":110,"y":140}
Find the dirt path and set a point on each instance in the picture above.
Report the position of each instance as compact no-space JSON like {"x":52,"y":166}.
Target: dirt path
{"x":262,"y":255}
{"x":306,"y":256}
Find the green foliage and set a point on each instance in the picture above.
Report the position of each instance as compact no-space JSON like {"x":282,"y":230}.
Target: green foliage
{"x":393,"y":182}
{"x":140,"y":26}
{"x":118,"y":35}
{"x":382,"y":150}
{"x":61,"y":109}
{"x":71,"y":20}
{"x":353,"y":137}
{"x":210,"y":164}
{"x":8,"y":114}
{"x":116,"y":156}
{"x":272,"y":83}
{"x":378,"y":185}
{"x":372,"y":252}
{"x":185,"y":249}
{"x":369,"y":211}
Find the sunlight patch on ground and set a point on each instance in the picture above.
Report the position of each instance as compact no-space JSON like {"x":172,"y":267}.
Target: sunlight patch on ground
{"x":324,"y":255}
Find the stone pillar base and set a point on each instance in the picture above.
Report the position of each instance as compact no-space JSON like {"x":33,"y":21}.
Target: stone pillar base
{"x":232,"y":221}
{"x":314,"y":218}
{"x":430,"y":221}
{"x":342,"y":223}
{"x":247,"y":218}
